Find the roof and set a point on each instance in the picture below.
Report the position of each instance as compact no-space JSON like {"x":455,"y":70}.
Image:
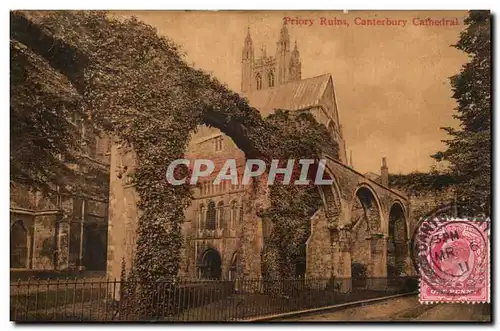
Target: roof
{"x":293,"y":95}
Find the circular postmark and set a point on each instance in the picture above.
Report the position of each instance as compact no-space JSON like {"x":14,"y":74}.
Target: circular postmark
{"x":451,"y":254}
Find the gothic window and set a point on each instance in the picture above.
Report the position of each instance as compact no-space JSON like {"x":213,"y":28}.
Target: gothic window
{"x":234,"y":214}
{"x":201,"y":216}
{"x":241,"y":213}
{"x":270,"y":77}
{"x":258,"y":80}
{"x":220,"y":219}
{"x":211,"y":215}
{"x":218,"y":144}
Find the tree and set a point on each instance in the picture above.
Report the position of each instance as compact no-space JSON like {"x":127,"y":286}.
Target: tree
{"x":46,"y":115}
{"x":469,"y":149}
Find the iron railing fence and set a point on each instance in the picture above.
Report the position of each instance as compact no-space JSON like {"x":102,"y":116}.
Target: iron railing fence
{"x":190,"y":300}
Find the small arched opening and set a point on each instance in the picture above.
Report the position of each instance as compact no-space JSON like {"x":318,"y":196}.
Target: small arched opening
{"x":366,"y":225}
{"x":397,"y":244}
{"x":211,"y":265}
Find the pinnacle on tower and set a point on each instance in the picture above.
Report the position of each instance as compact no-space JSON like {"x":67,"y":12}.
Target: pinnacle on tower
{"x":284,"y":31}
{"x":295,"y":49}
{"x":248,"y":38}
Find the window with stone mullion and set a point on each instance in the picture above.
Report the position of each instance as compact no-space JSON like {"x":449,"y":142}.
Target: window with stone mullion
{"x":211,"y":216}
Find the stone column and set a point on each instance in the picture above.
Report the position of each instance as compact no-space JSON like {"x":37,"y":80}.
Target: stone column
{"x":400,"y":253}
{"x":63,"y":245}
{"x":80,"y":223}
{"x":250,"y":261}
{"x":341,"y":251}
{"x":403,"y":256}
{"x":378,"y":264}
{"x":249,"y":249}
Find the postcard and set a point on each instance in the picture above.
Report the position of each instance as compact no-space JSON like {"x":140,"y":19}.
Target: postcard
{"x":250,"y":166}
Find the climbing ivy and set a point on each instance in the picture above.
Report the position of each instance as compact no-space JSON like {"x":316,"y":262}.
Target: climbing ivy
{"x":418,"y":183}
{"x":292,"y":206}
{"x":140,"y":89}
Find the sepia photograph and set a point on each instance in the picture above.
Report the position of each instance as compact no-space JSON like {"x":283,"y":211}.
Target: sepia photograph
{"x":250,"y":166}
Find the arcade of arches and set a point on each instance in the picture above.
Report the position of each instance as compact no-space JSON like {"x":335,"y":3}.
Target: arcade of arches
{"x":366,"y":235}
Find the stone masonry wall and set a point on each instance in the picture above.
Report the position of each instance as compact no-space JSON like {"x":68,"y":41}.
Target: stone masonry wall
{"x":123,"y":213}
{"x":44,"y":244}
{"x":318,"y":257}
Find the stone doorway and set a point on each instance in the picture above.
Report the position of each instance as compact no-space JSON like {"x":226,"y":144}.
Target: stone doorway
{"x":211,"y":265}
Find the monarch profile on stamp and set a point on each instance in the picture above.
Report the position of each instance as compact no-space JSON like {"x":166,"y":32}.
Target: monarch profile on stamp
{"x":452,"y":255}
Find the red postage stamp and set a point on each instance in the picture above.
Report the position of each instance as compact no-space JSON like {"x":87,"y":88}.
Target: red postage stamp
{"x":454,"y":260}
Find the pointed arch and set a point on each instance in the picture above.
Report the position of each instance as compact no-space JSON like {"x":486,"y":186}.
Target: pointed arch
{"x":211,"y":216}
{"x":365,"y":197}
{"x":398,"y":241}
{"x":331,"y":199}
{"x":221,"y":215}
{"x":258,"y":81}
{"x":234,"y":214}
{"x":270,"y":78}
{"x":210,"y":266}
{"x":201,"y":216}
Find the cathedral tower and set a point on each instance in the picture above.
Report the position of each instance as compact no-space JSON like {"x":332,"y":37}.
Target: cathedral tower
{"x":267,"y":71}
{"x":283,"y":55}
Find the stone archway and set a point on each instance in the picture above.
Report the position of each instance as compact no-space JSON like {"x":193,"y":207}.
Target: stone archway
{"x":397,"y":244}
{"x":321,"y":238}
{"x":210,"y":265}
{"x":368,"y":244}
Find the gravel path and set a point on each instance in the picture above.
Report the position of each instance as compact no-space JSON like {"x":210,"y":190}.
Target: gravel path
{"x":401,"y":309}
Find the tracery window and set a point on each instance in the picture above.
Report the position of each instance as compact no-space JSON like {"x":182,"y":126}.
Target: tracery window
{"x":234,"y":214}
{"x":220,"y":218}
{"x":241,"y":213}
{"x":270,"y":78}
{"x":201,"y":216}
{"x":211,"y":216}
{"x":218,"y":144}
{"x":258,"y":80}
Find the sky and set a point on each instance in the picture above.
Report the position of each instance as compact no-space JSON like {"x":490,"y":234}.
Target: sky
{"x":391,"y":82}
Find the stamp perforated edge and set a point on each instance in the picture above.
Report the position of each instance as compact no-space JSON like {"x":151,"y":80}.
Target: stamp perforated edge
{"x":488,"y":284}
